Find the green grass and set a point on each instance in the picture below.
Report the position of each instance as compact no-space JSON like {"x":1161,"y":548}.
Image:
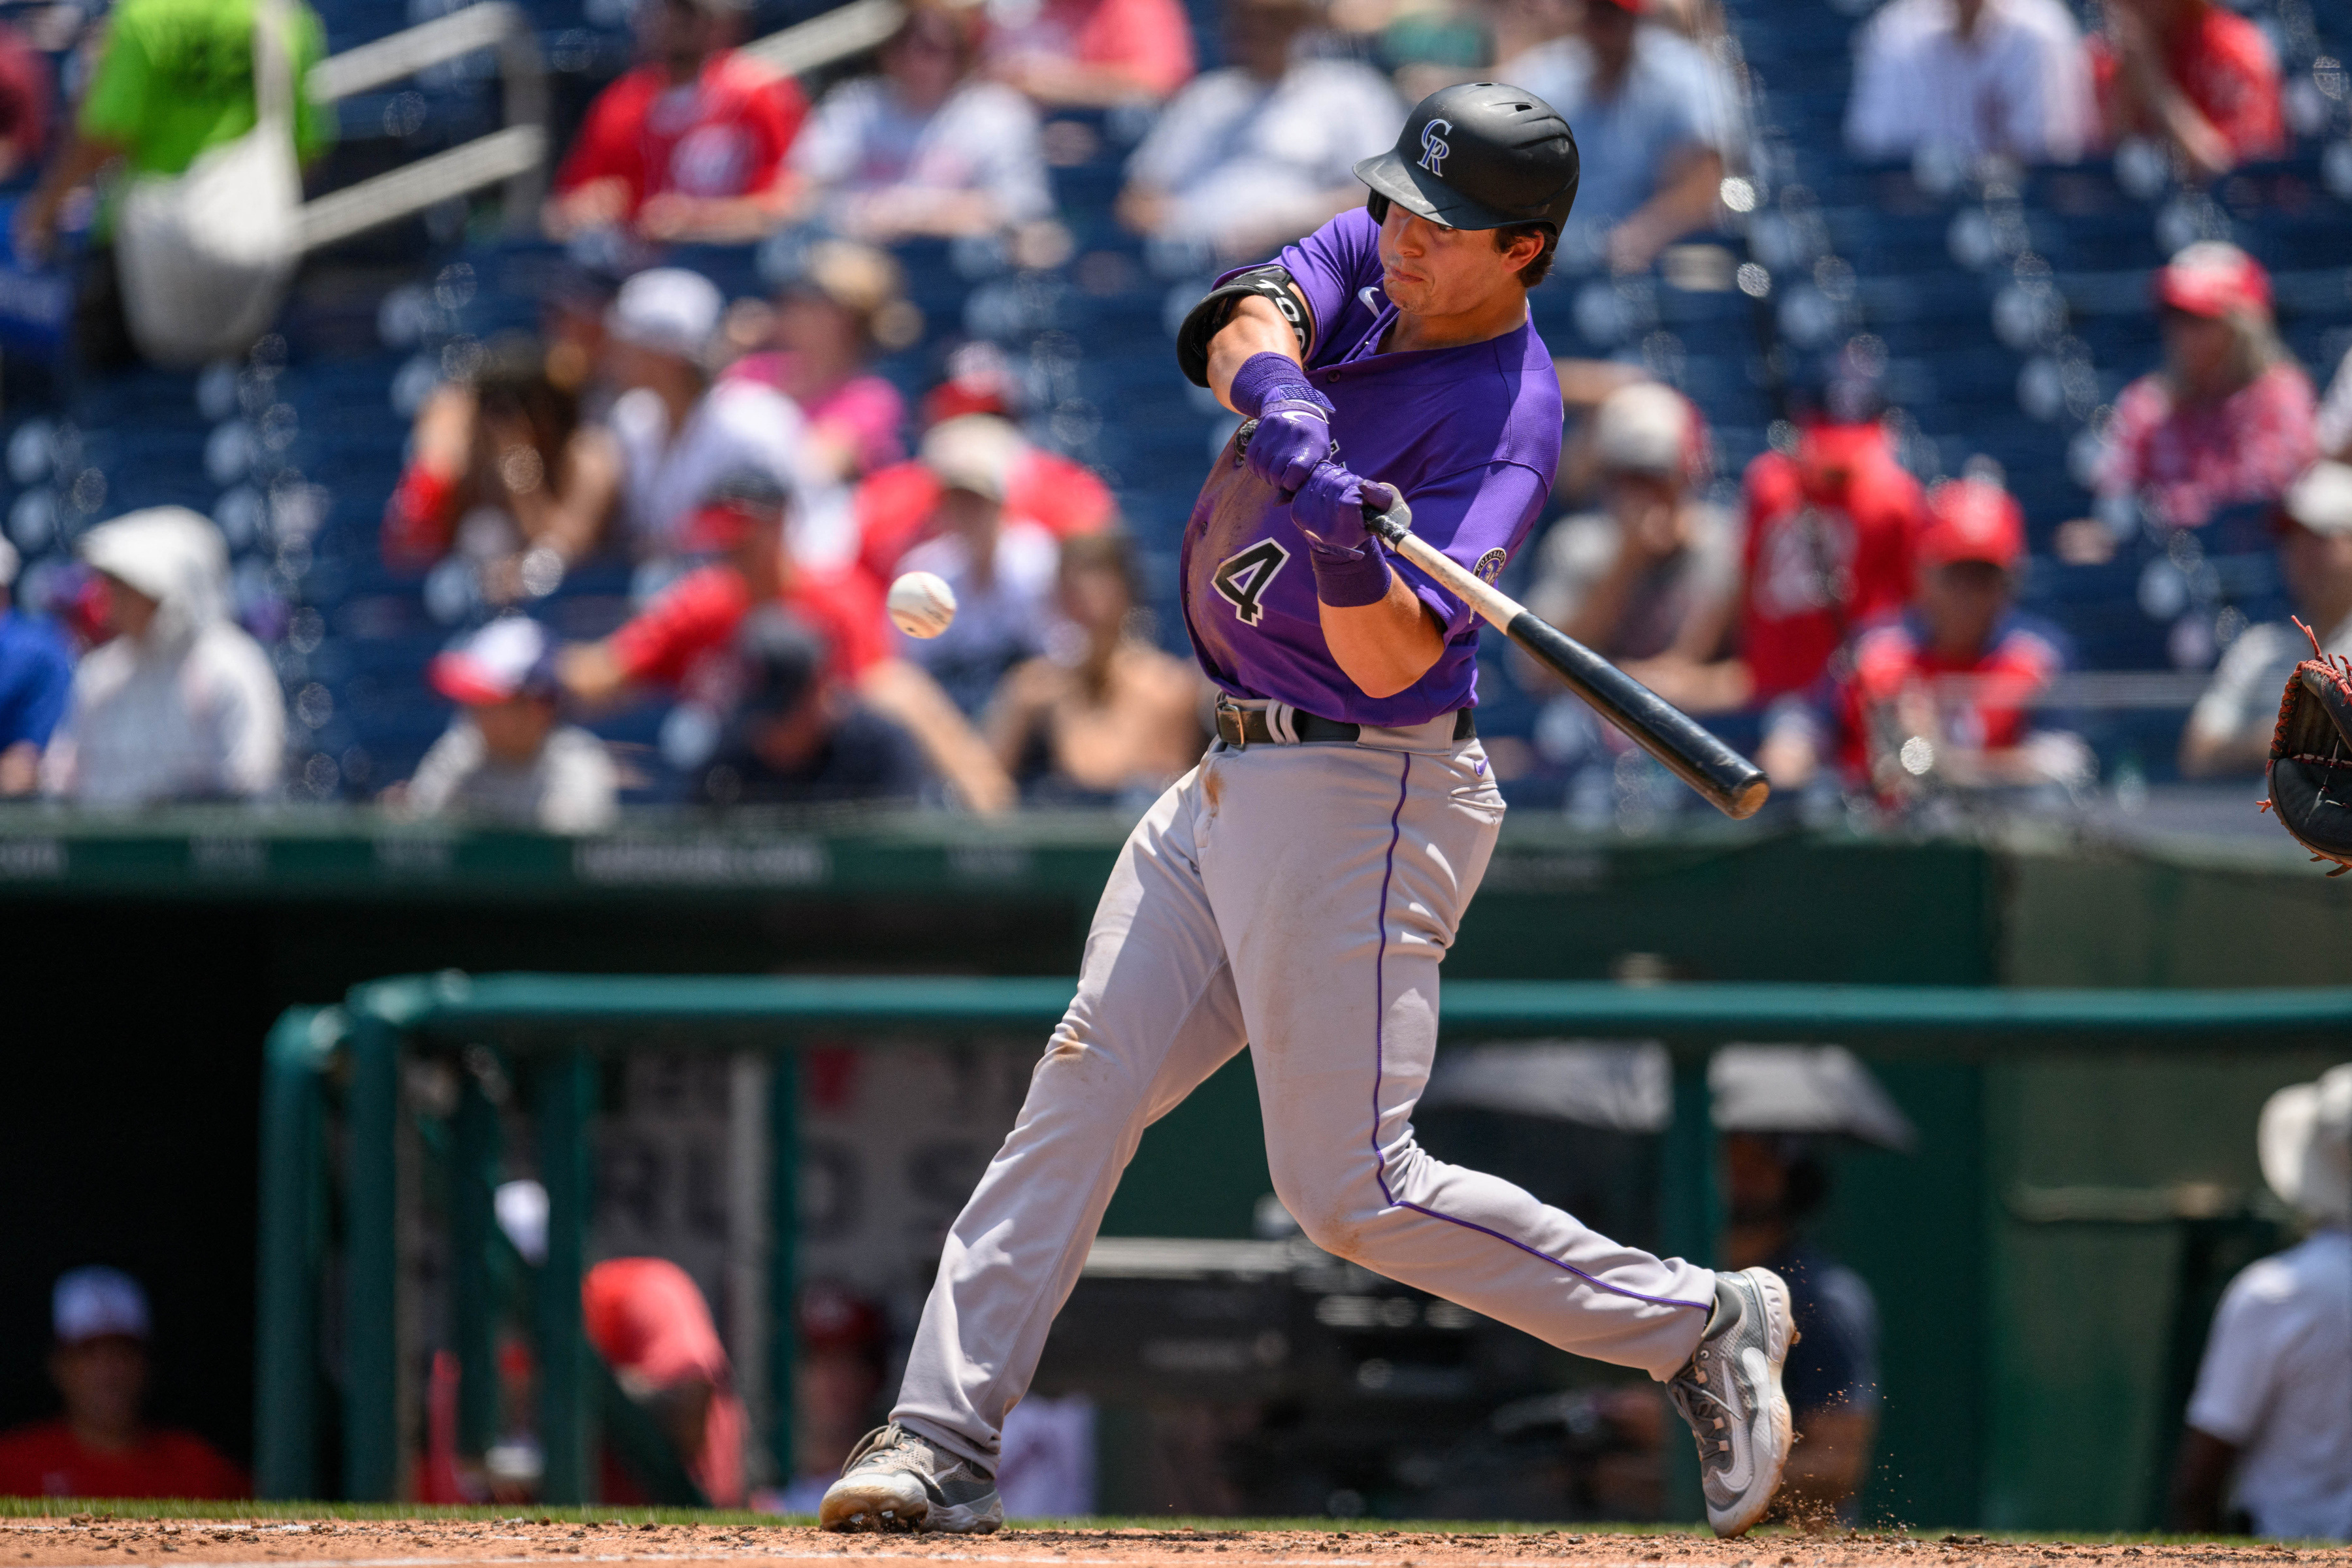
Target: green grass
{"x":142,"y":1509}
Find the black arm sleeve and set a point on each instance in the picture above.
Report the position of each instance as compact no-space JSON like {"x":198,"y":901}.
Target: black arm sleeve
{"x":1272,"y":284}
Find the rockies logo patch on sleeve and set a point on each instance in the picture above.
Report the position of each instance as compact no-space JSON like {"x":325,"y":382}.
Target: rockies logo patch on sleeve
{"x":1243,"y":577}
{"x":1490,"y":566}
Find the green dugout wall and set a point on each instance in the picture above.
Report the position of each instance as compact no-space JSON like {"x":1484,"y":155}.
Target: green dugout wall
{"x":2052,"y":1178}
{"x":2003,"y":1354}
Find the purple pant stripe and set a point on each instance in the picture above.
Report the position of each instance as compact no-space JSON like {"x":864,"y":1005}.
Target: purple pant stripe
{"x":1380,"y":979}
{"x":1379,"y":1013}
{"x":1598,"y":1284}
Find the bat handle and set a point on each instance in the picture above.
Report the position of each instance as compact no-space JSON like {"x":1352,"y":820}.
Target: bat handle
{"x":1395,"y":522}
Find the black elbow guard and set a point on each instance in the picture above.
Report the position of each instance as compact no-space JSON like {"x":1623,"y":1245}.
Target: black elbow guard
{"x":1272,"y":284}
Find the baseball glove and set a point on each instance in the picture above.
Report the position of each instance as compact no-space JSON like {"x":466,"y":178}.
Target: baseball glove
{"x":2310,"y":757}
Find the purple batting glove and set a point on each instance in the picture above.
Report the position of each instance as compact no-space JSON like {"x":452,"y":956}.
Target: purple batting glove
{"x":1330,"y":508}
{"x":1291,"y":438}
{"x":1293,"y":420}
{"x":1350,"y":567}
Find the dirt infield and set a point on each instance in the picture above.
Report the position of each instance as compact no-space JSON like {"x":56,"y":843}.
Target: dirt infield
{"x":38,"y":1543}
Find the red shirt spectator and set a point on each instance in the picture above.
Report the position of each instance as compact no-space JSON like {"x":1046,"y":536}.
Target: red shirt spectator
{"x":1981,"y":702}
{"x":2228,"y":419}
{"x":1950,"y":679}
{"x":102,"y":1446}
{"x":1096,"y":51}
{"x":47,"y":1459}
{"x":721,"y":135}
{"x":2191,"y":459}
{"x":673,"y":641}
{"x":648,"y":1321}
{"x":2216,"y":59}
{"x":23,"y":104}
{"x":1829,"y":547}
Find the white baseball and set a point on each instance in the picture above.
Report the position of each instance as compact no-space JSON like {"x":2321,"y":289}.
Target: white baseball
{"x":921,"y":604}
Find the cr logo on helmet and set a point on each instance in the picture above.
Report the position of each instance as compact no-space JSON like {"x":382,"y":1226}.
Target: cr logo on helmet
{"x":1433,"y":150}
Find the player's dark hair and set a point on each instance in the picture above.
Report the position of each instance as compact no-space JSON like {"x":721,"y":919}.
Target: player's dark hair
{"x":1533,"y":273}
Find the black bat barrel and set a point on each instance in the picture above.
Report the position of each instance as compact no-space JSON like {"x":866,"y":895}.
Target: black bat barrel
{"x":1733,"y":784}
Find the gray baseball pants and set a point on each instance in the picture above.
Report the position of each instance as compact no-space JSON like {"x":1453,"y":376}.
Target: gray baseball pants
{"x":1295,"y":899}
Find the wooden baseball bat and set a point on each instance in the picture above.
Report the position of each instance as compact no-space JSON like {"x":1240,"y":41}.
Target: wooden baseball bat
{"x":1729,"y":781}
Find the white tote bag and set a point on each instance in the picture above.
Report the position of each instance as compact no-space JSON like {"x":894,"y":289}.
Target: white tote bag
{"x":204,"y":256}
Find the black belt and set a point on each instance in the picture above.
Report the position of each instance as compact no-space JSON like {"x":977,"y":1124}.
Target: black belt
{"x":1244,"y":727}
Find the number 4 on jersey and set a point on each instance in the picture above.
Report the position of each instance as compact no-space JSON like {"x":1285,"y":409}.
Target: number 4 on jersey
{"x":1243,"y":578}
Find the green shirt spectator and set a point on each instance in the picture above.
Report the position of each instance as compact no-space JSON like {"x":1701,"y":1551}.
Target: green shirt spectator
{"x":177,"y":77}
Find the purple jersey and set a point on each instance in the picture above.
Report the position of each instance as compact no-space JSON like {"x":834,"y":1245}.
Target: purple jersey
{"x":1470,"y":436}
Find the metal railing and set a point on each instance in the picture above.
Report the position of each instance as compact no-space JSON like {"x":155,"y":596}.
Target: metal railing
{"x":836,"y":35}
{"x":517,"y":155}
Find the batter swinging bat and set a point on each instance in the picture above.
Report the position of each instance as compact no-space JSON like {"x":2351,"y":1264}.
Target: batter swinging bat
{"x":1731,"y":784}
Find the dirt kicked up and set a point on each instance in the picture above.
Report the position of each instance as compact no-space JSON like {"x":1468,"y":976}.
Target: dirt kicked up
{"x":93,"y":1539}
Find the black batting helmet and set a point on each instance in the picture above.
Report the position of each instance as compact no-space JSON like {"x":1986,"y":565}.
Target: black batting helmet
{"x":1481,"y":155}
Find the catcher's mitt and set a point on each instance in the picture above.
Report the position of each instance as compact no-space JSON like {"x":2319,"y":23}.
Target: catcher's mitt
{"x":2310,"y":757}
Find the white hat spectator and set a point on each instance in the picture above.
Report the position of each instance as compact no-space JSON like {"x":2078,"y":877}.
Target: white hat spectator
{"x":974,"y":452}
{"x":2321,"y":497}
{"x":667,"y":310}
{"x":94,"y":1302}
{"x":2305,"y":1139}
{"x":1645,"y":429}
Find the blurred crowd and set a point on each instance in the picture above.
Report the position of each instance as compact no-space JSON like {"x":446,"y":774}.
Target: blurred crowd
{"x":1871,"y":621}
{"x":764,"y":483}
{"x":757,"y":485}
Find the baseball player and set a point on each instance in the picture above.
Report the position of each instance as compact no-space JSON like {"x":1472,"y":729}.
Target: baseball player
{"x":1295,"y":892}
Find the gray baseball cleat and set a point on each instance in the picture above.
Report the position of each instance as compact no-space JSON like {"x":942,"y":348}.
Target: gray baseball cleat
{"x":897,"y":1480}
{"x":1730,"y":1395}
